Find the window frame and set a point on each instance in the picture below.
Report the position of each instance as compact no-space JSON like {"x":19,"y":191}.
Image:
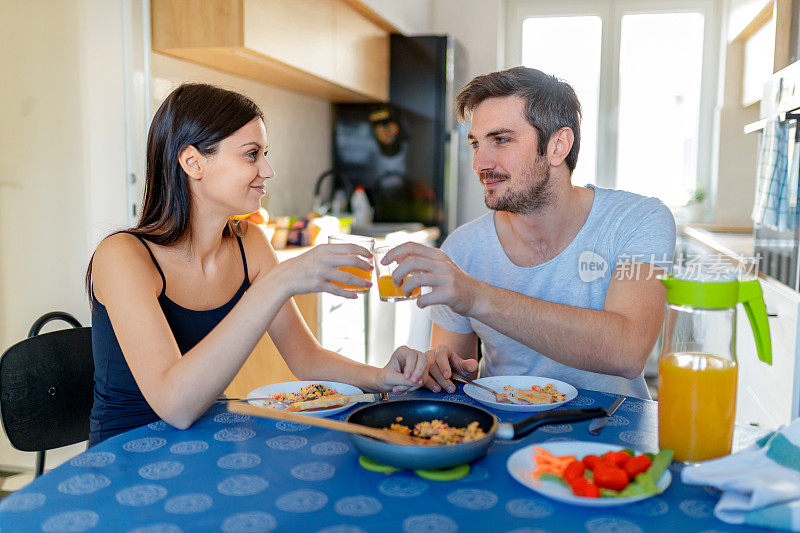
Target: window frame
{"x":611,"y":13}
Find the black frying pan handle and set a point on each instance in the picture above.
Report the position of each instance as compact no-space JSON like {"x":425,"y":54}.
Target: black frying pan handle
{"x":524,"y":427}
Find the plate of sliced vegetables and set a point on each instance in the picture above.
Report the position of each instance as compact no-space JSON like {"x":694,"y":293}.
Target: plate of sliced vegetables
{"x":591,"y":474}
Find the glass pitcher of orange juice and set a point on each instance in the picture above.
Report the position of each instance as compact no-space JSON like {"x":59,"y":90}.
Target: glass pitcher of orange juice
{"x":697,"y":368}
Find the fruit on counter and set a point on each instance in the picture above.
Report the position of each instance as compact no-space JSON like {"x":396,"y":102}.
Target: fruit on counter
{"x":602,"y":476}
{"x":259,"y":217}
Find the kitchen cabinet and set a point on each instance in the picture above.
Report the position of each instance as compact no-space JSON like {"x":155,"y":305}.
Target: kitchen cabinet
{"x":337,"y":50}
{"x":769,"y":395}
{"x":265,"y":364}
{"x":763,"y":29}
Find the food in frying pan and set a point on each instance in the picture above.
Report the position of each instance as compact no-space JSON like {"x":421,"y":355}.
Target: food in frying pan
{"x":440,"y":433}
{"x":537,"y":395}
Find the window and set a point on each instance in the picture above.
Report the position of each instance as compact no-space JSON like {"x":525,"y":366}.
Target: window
{"x":645,"y":73}
{"x":578,"y":61}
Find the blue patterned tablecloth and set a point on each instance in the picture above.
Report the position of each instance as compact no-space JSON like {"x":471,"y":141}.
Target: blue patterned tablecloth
{"x":234,"y":473}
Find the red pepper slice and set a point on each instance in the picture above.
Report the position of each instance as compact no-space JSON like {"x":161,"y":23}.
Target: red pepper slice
{"x":637,"y":465}
{"x":610,"y":477}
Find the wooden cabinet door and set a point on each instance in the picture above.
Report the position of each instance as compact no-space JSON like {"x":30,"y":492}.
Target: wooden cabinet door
{"x":265,"y":365}
{"x":300,"y":33}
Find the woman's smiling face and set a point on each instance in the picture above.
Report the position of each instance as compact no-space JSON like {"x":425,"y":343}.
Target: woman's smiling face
{"x":234,"y":178}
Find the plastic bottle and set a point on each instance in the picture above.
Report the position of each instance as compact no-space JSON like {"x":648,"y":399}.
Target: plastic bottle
{"x":362,"y":210}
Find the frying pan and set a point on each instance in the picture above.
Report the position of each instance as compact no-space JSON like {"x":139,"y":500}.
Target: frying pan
{"x":383,"y":414}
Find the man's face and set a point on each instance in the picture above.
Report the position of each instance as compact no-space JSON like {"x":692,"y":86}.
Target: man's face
{"x":505,"y":157}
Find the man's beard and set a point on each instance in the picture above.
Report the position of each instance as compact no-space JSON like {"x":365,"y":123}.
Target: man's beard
{"x":526,"y":202}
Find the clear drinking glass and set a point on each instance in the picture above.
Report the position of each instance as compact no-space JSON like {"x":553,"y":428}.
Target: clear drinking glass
{"x":364,"y":242}
{"x":388,"y":291}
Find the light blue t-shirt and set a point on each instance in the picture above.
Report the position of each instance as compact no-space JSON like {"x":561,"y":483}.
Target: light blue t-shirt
{"x":622,"y":227}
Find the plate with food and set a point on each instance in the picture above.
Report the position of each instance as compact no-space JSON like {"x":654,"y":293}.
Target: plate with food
{"x":532,"y":393}
{"x":591,"y":474}
{"x":328,"y":397}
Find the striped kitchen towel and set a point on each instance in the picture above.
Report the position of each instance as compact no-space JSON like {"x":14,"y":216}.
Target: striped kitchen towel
{"x":771,"y":173}
{"x":789,"y":210}
{"x":760,"y":485}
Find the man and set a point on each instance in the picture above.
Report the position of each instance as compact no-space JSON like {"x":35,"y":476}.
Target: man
{"x":557,"y":280}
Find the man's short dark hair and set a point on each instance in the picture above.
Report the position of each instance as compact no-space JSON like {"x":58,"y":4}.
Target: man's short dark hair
{"x":550,"y":103}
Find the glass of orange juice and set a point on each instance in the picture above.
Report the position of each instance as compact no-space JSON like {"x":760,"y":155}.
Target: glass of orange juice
{"x":388,"y":291}
{"x":364,"y":242}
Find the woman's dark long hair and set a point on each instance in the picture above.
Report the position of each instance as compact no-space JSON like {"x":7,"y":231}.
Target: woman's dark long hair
{"x":194,"y":114}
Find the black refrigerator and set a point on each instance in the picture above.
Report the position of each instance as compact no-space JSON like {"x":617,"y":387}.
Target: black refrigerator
{"x":404,"y":152}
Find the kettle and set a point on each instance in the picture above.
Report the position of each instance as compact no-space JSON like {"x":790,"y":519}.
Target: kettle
{"x":697,"y":367}
{"x":335,"y":201}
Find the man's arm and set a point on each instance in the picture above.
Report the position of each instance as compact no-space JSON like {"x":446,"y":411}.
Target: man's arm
{"x":615,"y":340}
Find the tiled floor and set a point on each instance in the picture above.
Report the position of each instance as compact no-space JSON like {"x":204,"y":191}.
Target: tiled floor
{"x":11,"y":480}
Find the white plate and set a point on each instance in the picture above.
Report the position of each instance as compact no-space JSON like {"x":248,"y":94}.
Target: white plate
{"x":518,"y":382}
{"x":295,"y":386}
{"x":520,"y":465}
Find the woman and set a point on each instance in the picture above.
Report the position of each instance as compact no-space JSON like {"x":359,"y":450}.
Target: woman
{"x":180,"y":300}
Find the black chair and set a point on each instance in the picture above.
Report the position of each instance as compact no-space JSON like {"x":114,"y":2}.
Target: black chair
{"x":47,"y":388}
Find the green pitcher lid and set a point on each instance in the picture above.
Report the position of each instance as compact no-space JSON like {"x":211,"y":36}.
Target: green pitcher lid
{"x":723,"y":295}
{"x":701,"y":294}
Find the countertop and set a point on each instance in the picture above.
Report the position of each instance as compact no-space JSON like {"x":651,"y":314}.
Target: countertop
{"x":425,"y":235}
{"x":733,"y":242}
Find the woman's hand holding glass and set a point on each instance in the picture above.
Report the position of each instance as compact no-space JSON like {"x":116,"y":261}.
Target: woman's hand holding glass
{"x":321,"y":269}
{"x":367,"y":243}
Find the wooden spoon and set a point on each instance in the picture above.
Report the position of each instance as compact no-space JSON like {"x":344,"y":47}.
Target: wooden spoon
{"x":386,"y":435}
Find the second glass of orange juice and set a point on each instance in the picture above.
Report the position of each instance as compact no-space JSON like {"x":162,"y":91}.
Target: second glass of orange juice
{"x":388,"y":291}
{"x":364,"y":242}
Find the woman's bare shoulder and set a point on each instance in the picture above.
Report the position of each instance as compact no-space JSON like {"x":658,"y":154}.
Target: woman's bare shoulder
{"x":258,"y":249}
{"x":121,"y":259}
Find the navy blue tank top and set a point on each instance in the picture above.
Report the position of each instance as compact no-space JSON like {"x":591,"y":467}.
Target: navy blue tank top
{"x":118,"y":403}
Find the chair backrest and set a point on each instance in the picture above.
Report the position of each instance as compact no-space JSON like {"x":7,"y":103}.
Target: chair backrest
{"x":47,"y":389}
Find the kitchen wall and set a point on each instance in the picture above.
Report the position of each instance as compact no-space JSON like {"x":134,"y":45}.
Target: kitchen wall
{"x":737,"y":153}
{"x":478,"y":26}
{"x":63,"y":154}
{"x":409,"y":16}
{"x":61,"y":149}
{"x":298,"y":130}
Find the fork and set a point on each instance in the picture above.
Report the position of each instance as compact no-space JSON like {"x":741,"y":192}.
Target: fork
{"x":498,"y":397}
{"x":265,"y":399}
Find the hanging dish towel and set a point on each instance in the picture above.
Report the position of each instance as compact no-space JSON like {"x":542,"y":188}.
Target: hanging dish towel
{"x":790,"y":201}
{"x":771,"y":172}
{"x":760,"y":485}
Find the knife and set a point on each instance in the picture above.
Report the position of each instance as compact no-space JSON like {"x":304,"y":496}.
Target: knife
{"x":599,"y":423}
{"x":320,"y":403}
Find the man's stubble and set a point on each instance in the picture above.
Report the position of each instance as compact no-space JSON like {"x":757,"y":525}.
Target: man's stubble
{"x":534,"y":198}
